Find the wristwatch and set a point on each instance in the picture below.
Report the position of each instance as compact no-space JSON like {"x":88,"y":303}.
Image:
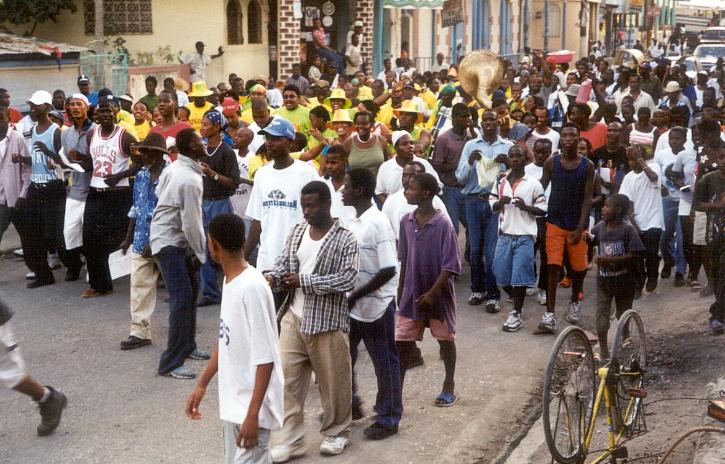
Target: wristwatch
{"x":216,"y":177}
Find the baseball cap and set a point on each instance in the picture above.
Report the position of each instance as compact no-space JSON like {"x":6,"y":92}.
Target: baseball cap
{"x":397,"y":135}
{"x":229,"y":105}
{"x":279,"y":127}
{"x":41,"y":97}
{"x":447,"y":89}
{"x":126,"y":97}
{"x":83,"y":78}
{"x":81,"y":97}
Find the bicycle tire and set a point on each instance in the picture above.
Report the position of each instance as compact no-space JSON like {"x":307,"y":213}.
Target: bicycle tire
{"x":571,"y":359}
{"x":629,"y":357}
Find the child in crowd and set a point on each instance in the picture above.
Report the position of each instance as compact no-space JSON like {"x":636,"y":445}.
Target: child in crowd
{"x":251,"y":385}
{"x":710,"y":198}
{"x":336,"y":167}
{"x":617,"y":244}
{"x":542,"y":151}
{"x":519,"y":199}
{"x":429,"y":262}
{"x":642,"y":185}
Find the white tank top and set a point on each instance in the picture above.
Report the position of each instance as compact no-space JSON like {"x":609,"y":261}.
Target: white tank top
{"x":108,"y":157}
{"x":644,"y":138}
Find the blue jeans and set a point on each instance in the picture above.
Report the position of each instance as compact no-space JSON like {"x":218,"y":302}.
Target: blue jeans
{"x":209,"y":270}
{"x":181,"y":281}
{"x":333,"y":57}
{"x":379,"y":339}
{"x":671,"y":245}
{"x":455,"y":202}
{"x":482,"y":227}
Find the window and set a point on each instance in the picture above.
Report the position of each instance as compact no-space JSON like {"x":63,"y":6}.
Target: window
{"x":254,"y":22}
{"x":120,"y":17}
{"x":234,"y":23}
{"x":554,"y":20}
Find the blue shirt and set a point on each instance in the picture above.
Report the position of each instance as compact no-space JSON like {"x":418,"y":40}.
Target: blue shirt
{"x":144,"y":203}
{"x":466,"y":173}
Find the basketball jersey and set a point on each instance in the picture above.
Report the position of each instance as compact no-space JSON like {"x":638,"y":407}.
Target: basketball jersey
{"x":108,"y":157}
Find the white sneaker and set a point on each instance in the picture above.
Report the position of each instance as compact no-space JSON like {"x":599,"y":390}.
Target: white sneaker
{"x":574,"y":312}
{"x":19,"y":253}
{"x":541,"y":297}
{"x":530,"y":291}
{"x":53,"y":261}
{"x":334,"y":445}
{"x":475,"y":299}
{"x":548,"y":323}
{"x":30,"y":275}
{"x":493,"y":306}
{"x":283,"y":453}
{"x":513,"y":322}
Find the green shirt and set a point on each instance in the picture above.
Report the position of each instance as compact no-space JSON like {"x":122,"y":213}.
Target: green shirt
{"x":299,"y":117}
{"x":150,"y":101}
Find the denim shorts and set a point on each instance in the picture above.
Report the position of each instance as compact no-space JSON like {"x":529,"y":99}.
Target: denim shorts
{"x":513,"y":263}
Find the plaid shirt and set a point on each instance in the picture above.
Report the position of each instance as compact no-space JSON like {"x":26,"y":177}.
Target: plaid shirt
{"x":335,"y":273}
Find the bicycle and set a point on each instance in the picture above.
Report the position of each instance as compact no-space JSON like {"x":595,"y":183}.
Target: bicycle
{"x":570,"y":407}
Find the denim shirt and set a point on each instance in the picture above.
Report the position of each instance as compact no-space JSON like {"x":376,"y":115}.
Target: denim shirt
{"x":466,"y":173}
{"x":144,"y":202}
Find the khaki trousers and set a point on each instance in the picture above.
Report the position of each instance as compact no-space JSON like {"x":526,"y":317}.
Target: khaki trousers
{"x":144,"y":274}
{"x":328,"y":355}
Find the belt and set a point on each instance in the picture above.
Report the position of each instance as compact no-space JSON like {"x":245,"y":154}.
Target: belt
{"x":110,"y":189}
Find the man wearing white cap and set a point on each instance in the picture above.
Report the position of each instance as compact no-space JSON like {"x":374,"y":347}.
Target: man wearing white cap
{"x":357,"y":29}
{"x":45,"y":204}
{"x":673,"y":97}
{"x":198,"y":61}
{"x":390,"y":174}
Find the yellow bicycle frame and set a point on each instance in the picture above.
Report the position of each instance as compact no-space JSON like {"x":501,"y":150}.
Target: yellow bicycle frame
{"x":603,"y":391}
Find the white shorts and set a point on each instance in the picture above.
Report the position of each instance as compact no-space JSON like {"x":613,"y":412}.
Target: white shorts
{"x":12,"y":367}
{"x":699,"y":229}
{"x":73,"y":223}
{"x":255,"y":455}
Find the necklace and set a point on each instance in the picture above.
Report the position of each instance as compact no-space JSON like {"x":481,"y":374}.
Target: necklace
{"x":214,"y":152}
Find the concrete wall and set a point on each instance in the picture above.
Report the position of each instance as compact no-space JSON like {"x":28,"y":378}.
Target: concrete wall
{"x":22,"y":81}
{"x":573,"y":41}
{"x":179,"y":24}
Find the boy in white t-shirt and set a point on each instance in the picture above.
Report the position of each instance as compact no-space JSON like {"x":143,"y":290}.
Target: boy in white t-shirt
{"x":642,"y":185}
{"x":242,"y":138}
{"x":251,"y":384}
{"x":520,"y":199}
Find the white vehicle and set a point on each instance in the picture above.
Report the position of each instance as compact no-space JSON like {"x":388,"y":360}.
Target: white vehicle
{"x":708,"y":54}
{"x":712,"y":35}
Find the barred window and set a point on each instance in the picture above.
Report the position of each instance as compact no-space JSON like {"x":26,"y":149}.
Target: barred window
{"x":120,"y":17}
{"x":254,"y":22}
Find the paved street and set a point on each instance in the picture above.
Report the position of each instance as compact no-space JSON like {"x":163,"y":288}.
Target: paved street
{"x":120,"y":411}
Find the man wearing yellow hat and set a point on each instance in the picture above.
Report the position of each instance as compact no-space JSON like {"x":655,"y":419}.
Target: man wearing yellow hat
{"x":409,"y":119}
{"x":199,"y":105}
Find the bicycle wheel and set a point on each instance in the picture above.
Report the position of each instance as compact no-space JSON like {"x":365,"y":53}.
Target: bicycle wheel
{"x":569,"y":389}
{"x":629,"y":362}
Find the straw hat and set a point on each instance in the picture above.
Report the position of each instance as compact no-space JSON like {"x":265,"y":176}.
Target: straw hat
{"x":199,"y":89}
{"x":341,"y":116}
{"x":181,"y":84}
{"x":338,"y":94}
{"x":408,"y":106}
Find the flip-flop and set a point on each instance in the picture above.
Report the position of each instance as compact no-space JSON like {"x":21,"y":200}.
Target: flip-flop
{"x":445,"y":400}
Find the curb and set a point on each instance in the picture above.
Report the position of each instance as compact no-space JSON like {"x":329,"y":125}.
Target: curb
{"x":710,"y":447}
{"x":528,"y":422}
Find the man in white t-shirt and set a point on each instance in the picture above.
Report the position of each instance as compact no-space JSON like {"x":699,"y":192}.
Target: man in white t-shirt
{"x":397,"y":206}
{"x":642,"y":186}
{"x":242,"y":138}
{"x":372,"y":303}
{"x":274,"y":205}
{"x":389,"y":174}
{"x":543,"y":131}
{"x":247,"y":358}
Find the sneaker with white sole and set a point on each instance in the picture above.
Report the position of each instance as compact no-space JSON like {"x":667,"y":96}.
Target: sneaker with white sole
{"x":334,"y":445}
{"x":541,"y":297}
{"x":30,"y":276}
{"x":53,"y":261}
{"x":513,"y":322}
{"x":475,"y":299}
{"x":530,"y":291}
{"x":548,"y":323}
{"x":493,"y":306}
{"x":574,"y":312}
{"x":283,"y":453}
{"x":19,"y":253}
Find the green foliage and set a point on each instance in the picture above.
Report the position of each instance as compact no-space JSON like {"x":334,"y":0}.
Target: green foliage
{"x":19,"y":12}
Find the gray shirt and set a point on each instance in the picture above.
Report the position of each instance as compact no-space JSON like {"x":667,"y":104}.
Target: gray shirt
{"x":72,"y":139}
{"x":177,"y":219}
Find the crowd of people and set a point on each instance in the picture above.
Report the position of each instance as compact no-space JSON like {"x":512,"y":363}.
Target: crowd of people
{"x":332,"y":205}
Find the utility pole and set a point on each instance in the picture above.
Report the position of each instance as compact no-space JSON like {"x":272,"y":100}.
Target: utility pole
{"x":546,"y":26}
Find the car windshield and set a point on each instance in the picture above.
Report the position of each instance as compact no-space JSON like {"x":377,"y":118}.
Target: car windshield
{"x":710,"y":51}
{"x":714,"y":34}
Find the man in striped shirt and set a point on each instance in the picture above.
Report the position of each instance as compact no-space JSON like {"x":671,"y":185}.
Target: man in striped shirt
{"x":318,"y":266}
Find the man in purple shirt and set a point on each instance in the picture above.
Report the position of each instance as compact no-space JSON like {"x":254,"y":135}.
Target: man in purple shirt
{"x":429,"y":260}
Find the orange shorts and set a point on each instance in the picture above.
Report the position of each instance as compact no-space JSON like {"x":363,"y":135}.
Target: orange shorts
{"x":556,"y":243}
{"x":410,"y":330}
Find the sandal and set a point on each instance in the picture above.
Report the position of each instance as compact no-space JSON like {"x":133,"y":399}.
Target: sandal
{"x":445,"y":400}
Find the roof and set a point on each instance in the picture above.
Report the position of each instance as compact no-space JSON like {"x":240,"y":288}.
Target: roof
{"x":16,"y":45}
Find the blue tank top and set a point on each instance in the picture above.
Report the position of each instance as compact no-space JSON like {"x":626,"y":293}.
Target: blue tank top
{"x":40,"y":172}
{"x":567,"y":194}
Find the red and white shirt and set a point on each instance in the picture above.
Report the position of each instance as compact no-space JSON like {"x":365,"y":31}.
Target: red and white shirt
{"x":511,"y":219}
{"x":108,"y":157}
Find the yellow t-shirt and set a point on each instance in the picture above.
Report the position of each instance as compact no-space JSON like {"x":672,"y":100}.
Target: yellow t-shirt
{"x":255,"y":162}
{"x":196,"y":114}
{"x":124,"y":115}
{"x":429,"y":99}
{"x":142,"y":130}
{"x":313,"y":142}
{"x":313,"y":162}
{"x":364,"y":93}
{"x":385,"y":115}
{"x":299,"y":117}
{"x":130,"y":128}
